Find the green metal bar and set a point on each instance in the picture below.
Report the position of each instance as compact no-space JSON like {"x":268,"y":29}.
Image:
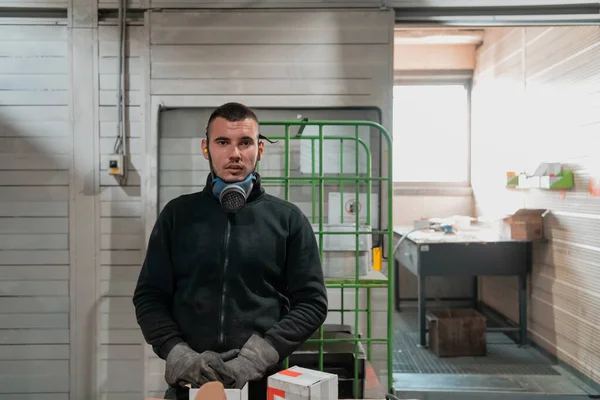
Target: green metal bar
{"x":332,"y":137}
{"x":321,"y":194}
{"x":342,"y":304}
{"x":341,"y":174}
{"x":313,"y":180}
{"x":368,"y":184}
{"x":358,"y":285}
{"x":349,"y":340}
{"x":286,"y":161}
{"x":356,"y":264}
{"x":323,"y":178}
{"x":390,"y":258}
{"x":327,"y":122}
{"x":341,"y":182}
{"x":369,"y":321}
{"x":351,"y":233}
{"x":349,"y":284}
{"x":307,"y":180}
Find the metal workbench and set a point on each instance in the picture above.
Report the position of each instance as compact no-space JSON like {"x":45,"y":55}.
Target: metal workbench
{"x":470,"y":253}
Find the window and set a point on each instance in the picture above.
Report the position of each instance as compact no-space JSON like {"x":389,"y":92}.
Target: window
{"x":431,"y":133}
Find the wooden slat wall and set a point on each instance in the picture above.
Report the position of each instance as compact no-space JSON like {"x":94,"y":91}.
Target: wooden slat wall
{"x":35,"y":161}
{"x":120,"y":359}
{"x":273,"y":60}
{"x":551,"y":74}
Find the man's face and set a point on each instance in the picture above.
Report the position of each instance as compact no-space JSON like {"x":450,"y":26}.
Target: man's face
{"x":233,"y":148}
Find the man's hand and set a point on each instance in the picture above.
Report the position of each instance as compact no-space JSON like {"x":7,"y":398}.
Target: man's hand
{"x":185,"y":366}
{"x":254,"y":360}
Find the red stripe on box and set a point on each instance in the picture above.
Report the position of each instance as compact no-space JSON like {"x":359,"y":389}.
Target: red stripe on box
{"x":293,"y":374}
{"x":272,"y":392}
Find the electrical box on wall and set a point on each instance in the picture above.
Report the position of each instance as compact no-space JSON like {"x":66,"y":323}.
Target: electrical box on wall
{"x":115,"y":164}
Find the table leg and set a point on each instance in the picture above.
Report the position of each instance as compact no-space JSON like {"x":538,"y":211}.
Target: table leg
{"x":422,"y":320}
{"x":523,"y":309}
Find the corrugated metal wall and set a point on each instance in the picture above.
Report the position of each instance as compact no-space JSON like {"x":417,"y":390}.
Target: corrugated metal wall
{"x":535,"y":100}
{"x":272,"y":60}
{"x":35,"y":165}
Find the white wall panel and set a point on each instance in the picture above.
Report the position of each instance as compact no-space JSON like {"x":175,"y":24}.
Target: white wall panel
{"x":35,"y":162}
{"x":554,"y":77}
{"x":121,"y":235}
{"x":33,"y":272}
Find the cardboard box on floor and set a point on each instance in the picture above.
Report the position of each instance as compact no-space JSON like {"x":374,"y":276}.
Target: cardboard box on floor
{"x":298,"y":383}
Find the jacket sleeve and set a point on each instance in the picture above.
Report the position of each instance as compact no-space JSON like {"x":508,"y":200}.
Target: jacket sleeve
{"x":153,"y":294}
{"x":306,"y":291}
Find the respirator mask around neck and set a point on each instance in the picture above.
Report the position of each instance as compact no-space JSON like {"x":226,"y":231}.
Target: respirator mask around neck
{"x":233,"y":196}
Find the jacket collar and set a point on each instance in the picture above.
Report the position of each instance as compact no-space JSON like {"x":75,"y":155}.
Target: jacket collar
{"x":257,"y":189}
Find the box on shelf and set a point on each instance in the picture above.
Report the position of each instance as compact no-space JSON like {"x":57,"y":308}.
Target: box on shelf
{"x":298,"y":383}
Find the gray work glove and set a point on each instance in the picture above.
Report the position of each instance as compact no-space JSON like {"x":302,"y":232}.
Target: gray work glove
{"x":185,"y":366}
{"x":253,"y":362}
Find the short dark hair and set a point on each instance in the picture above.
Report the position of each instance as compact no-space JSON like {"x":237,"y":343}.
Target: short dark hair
{"x":232,"y":112}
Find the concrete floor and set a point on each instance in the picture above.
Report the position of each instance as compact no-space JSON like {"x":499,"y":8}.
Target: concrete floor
{"x":507,"y":372}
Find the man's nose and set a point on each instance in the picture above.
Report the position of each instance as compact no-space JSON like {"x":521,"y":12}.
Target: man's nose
{"x":235,"y":153}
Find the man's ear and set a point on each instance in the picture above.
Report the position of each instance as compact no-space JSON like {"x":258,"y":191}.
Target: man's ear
{"x":205,"y":148}
{"x":261,"y":149}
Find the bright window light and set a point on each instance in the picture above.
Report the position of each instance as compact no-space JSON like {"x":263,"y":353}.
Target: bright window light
{"x":431,"y":135}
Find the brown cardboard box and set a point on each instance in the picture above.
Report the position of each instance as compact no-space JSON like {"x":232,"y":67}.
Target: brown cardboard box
{"x":527,"y":224}
{"x":457,"y":333}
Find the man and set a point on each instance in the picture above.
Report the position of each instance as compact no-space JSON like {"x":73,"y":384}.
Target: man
{"x":232,"y":282}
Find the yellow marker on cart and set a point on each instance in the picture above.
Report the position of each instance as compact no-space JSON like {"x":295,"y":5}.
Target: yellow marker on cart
{"x":377,"y":259}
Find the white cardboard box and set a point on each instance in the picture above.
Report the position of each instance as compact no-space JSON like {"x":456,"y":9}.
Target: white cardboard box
{"x":232,"y":394}
{"x":298,"y":383}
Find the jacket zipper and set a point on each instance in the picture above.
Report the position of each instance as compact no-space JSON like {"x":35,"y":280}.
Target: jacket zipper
{"x":224,"y":288}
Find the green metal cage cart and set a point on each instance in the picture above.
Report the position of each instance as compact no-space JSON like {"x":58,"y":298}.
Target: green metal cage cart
{"x":348,"y":230}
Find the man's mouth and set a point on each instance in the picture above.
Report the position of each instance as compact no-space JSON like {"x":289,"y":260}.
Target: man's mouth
{"x":234,"y":168}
